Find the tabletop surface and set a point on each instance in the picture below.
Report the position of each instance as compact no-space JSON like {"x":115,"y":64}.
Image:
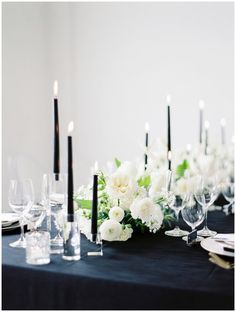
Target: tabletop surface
{"x":143,"y":270}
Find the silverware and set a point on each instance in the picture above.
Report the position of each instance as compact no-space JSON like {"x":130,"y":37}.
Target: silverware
{"x":220,"y":262}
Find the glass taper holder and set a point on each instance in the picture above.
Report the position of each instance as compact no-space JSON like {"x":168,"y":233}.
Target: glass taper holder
{"x":71,"y":239}
{"x":97,"y":244}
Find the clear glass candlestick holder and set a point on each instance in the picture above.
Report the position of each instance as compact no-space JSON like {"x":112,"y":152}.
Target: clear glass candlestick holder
{"x":97,"y":248}
{"x":71,"y":239}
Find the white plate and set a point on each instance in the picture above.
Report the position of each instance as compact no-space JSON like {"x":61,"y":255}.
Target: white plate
{"x":11,"y":227}
{"x":211,"y":245}
{"x":9,"y":217}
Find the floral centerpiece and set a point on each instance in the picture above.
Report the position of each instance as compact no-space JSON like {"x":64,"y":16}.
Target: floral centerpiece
{"x":130,"y":200}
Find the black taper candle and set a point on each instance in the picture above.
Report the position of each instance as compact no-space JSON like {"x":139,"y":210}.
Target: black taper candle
{"x":145,"y":156}
{"x":94,"y":208}
{"x":70,"y":204}
{"x":56,"y":163}
{"x":168,"y":133}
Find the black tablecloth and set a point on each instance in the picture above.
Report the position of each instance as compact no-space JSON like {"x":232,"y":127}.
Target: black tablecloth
{"x":146,"y":272}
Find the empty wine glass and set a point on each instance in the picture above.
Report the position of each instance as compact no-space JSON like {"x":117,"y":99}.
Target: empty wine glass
{"x":177,"y":204}
{"x":205,"y":195}
{"x":20,"y":199}
{"x":193,"y":214}
{"x":228,"y":192}
{"x":35,"y":216}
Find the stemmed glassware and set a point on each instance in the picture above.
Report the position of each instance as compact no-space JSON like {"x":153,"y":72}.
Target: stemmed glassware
{"x":20,"y":199}
{"x":177,"y":204}
{"x":35,"y":216}
{"x":228,"y":192}
{"x":193,"y":214}
{"x":54,"y":186}
{"x":206,"y":194}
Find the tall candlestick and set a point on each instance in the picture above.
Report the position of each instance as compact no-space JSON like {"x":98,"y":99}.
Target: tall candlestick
{"x":147,"y":129}
{"x":222,"y":125}
{"x":201,"y":107}
{"x":95,"y":204}
{"x":207,"y":125}
{"x":168,"y":100}
{"x":70,"y":204}
{"x":56,"y":165}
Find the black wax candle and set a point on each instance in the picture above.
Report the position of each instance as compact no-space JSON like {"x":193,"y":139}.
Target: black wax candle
{"x":94,"y":208}
{"x":168,"y":134}
{"x":145,"y":156}
{"x":56,"y":164}
{"x":70,"y":205}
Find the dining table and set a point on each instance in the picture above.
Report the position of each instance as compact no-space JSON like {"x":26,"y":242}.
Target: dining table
{"x":147,"y":272}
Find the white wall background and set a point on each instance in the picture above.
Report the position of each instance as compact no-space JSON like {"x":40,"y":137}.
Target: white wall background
{"x":115,"y":63}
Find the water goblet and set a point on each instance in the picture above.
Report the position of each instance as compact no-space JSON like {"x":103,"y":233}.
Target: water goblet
{"x":20,"y":199}
{"x":193,"y":214}
{"x":206,"y":194}
{"x":177,"y":204}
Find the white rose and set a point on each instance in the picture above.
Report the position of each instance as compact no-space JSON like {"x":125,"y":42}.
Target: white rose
{"x":110,"y":230}
{"x":116,"y":213}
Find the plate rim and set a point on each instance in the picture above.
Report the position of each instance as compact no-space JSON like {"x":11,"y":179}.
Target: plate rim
{"x":223,"y":253}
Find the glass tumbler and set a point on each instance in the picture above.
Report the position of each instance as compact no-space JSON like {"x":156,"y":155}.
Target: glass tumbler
{"x":37,"y":247}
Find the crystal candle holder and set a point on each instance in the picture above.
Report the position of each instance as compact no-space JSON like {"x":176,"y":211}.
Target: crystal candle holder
{"x":71,"y":239}
{"x":97,"y":245}
{"x":37,"y":247}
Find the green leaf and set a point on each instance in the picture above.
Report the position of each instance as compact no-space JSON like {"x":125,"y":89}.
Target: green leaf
{"x":85,"y":203}
{"x":117,"y":162}
{"x":144,"y":181}
{"x":180,"y":170}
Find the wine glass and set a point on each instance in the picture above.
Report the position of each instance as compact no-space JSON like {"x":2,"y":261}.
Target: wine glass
{"x":20,"y":199}
{"x":35,"y":216}
{"x":54,"y":186}
{"x":206,"y":194}
{"x":177,"y":204}
{"x":193,"y":214}
{"x":228,"y":192}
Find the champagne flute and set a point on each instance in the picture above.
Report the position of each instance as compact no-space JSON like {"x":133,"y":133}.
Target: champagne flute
{"x":20,"y":199}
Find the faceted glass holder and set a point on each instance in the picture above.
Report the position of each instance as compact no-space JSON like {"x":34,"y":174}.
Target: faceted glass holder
{"x":97,"y":245}
{"x":71,"y":239}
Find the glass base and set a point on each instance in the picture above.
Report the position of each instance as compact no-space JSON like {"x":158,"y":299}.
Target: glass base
{"x":19,"y":243}
{"x":71,"y":258}
{"x":56,"y":250}
{"x":38,"y":261}
{"x":176,"y":232}
{"x":198,"y":239}
{"x":205,"y":232}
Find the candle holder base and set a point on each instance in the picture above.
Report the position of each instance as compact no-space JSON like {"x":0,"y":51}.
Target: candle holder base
{"x":97,"y":241}
{"x":71,"y":241}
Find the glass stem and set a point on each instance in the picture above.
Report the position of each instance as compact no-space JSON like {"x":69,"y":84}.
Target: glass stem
{"x":206,"y":208}
{"x":22,"y":236}
{"x":177,"y":219}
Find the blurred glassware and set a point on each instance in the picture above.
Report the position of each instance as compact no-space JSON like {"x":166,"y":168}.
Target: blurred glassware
{"x":20,"y":199}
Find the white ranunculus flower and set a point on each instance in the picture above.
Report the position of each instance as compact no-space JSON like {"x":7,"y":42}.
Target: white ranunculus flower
{"x":120,"y":185}
{"x":110,"y":230}
{"x":116,"y":213}
{"x":125,"y":234}
{"x":159,"y":182}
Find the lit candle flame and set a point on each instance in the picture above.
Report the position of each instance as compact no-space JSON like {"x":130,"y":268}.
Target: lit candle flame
{"x":223,"y":122}
{"x":147,"y":127}
{"x":188,"y":147}
{"x":201,"y":104}
{"x":70,"y":127}
{"x":168,"y":99}
{"x":55,"y":88}
{"x":169,"y":155}
{"x":207,"y":124}
{"x":95,"y":167}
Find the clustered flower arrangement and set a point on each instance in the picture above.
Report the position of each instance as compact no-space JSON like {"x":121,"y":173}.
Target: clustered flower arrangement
{"x":131,"y":198}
